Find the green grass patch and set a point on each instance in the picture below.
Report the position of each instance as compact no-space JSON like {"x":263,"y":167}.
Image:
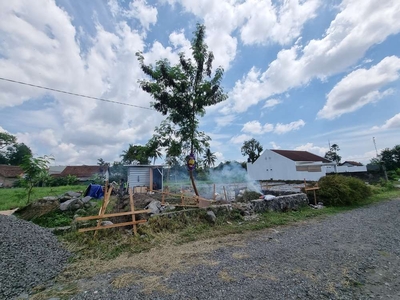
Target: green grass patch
{"x":11,"y":198}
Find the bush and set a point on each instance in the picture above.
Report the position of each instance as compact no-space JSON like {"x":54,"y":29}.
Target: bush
{"x":339,"y":190}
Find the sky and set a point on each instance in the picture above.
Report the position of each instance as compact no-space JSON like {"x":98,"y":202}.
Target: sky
{"x":300,"y":74}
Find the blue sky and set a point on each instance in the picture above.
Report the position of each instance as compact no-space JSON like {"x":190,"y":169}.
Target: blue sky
{"x":299,"y":73}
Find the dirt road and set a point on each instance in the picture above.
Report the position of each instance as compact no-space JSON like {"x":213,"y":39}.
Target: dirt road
{"x":353,"y":255}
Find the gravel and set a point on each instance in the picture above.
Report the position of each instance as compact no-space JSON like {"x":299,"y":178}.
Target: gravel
{"x":353,"y":255}
{"x":29,"y":256}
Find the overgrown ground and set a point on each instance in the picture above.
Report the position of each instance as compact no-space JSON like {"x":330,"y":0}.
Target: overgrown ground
{"x":11,"y":198}
{"x":161,"y":239}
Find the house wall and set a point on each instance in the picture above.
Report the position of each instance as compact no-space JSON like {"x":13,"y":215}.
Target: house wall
{"x":7,"y":182}
{"x":345,"y":169}
{"x":138,"y":176}
{"x":272,"y":166}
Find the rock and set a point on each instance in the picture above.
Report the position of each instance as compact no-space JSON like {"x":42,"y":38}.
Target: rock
{"x":269,"y":197}
{"x":86,"y":199}
{"x":211,"y":217}
{"x":155,"y":207}
{"x":280,"y":203}
{"x":60,"y":229}
{"x":64,"y":198}
{"x":87,"y":205}
{"x":50,"y":198}
{"x":72,"y":204}
{"x":105,"y":223}
{"x":80,"y":212}
{"x":73,"y":194}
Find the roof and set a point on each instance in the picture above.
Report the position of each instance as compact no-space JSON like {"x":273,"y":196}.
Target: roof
{"x":83,"y":171}
{"x":56,"y":169}
{"x":10,"y":171}
{"x":149,"y":166}
{"x":350,"y":162}
{"x":296,"y":155}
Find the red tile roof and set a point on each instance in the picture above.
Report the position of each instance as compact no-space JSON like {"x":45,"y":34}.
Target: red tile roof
{"x":82,"y":171}
{"x":301,"y":155}
{"x":10,"y":171}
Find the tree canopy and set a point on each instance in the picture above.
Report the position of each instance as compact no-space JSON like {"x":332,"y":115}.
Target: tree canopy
{"x":252,"y":148}
{"x":333,"y":155}
{"x":136,"y":153}
{"x":182,"y":92}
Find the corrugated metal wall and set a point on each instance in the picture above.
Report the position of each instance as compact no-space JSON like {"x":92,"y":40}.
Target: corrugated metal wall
{"x":138,"y":176}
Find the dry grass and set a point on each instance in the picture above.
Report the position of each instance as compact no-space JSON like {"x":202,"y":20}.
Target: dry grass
{"x":224,"y":276}
{"x":239,"y":255}
{"x":149,"y":283}
{"x":164,"y":259}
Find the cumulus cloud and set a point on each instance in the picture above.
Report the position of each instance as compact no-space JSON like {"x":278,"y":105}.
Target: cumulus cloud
{"x":274,"y":145}
{"x":271,"y":103}
{"x":292,"y":126}
{"x":392,"y":123}
{"x":255,"y":127}
{"x":359,"y":25}
{"x":361,"y":87}
{"x":310,"y":147}
{"x":239,"y":139}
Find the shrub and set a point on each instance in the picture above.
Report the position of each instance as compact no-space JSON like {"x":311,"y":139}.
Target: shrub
{"x":339,"y":190}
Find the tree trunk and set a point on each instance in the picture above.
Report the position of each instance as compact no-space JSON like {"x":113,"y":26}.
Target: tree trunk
{"x":193,"y":183}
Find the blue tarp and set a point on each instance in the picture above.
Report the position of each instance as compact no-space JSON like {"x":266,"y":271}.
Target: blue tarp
{"x":95,"y":191}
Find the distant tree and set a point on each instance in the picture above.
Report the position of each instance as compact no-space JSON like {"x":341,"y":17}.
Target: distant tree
{"x":6,"y":140}
{"x":101,"y":162}
{"x":333,"y":155}
{"x":252,"y":148}
{"x":118,"y":171}
{"x":16,"y":153}
{"x":183,"y":92}
{"x":209,"y":158}
{"x":136,"y":153}
{"x":34,"y":169}
{"x":391,"y":158}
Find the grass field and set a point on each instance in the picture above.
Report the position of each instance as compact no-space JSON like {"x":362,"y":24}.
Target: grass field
{"x":16,"y":197}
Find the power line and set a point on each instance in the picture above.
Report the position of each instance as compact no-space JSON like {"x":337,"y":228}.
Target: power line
{"x":73,"y":94}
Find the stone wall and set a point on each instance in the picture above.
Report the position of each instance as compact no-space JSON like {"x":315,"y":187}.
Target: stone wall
{"x":280,"y":203}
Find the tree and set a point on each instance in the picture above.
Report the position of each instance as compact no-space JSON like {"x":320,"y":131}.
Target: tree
{"x":135,"y":153}
{"x":183,"y":92}
{"x":101,"y":162}
{"x":391,"y":158}
{"x":16,"y":153}
{"x":153,"y":149}
{"x":333,"y":155}
{"x":209,"y":158}
{"x":252,"y":148}
{"x":6,"y":139}
{"x":34,"y":169}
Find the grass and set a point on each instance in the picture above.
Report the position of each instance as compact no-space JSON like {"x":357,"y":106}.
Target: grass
{"x":11,"y":198}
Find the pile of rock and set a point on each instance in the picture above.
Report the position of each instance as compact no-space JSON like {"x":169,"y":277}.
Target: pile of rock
{"x":70,"y":201}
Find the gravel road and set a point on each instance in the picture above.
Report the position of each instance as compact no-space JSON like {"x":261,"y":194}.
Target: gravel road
{"x":353,"y":255}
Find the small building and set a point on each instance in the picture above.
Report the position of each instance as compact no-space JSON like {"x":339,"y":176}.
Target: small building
{"x":347,"y":167}
{"x":143,"y":178}
{"x":84,"y":173}
{"x":288,"y":165}
{"x":9,"y":175}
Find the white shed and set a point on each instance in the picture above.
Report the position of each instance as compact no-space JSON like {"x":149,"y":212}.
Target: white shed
{"x":288,"y":165}
{"x":149,"y":176}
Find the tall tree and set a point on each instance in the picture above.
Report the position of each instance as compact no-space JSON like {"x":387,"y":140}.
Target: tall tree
{"x":333,"y":155}
{"x":135,"y":153}
{"x":6,"y":139}
{"x":252,"y":148}
{"x":391,"y":158}
{"x":16,"y":153}
{"x":183,"y":92}
{"x":209,"y":158}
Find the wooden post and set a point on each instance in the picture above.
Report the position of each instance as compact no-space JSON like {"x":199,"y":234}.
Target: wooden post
{"x":151,"y":179}
{"x":214,"y":192}
{"x":106,"y":200}
{"x":133,"y":210}
{"x":226,"y":198}
{"x":182,"y":198}
{"x":163,"y":198}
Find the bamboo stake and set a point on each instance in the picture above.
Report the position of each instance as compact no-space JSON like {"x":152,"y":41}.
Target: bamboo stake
{"x":133,"y":211}
{"x":214,"y":192}
{"x":226,"y":198}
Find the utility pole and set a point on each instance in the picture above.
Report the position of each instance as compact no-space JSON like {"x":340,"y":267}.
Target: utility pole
{"x":376,"y":150}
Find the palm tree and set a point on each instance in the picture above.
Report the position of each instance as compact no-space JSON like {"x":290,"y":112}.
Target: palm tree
{"x":153,"y":149}
{"x":209,"y":158}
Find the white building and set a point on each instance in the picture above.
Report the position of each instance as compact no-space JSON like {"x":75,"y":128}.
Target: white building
{"x":288,"y":165}
{"x":148,"y":176}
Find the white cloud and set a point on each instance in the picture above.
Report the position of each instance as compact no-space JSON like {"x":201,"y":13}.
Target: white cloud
{"x":361,"y":87}
{"x":255,"y":127}
{"x":271,"y":103}
{"x":220,"y":157}
{"x":274,"y":145}
{"x":138,"y":9}
{"x":392,"y":123}
{"x":292,"y":126}
{"x":224,"y":120}
{"x":310,"y":147}
{"x":239,"y":139}
{"x":359,"y":25}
